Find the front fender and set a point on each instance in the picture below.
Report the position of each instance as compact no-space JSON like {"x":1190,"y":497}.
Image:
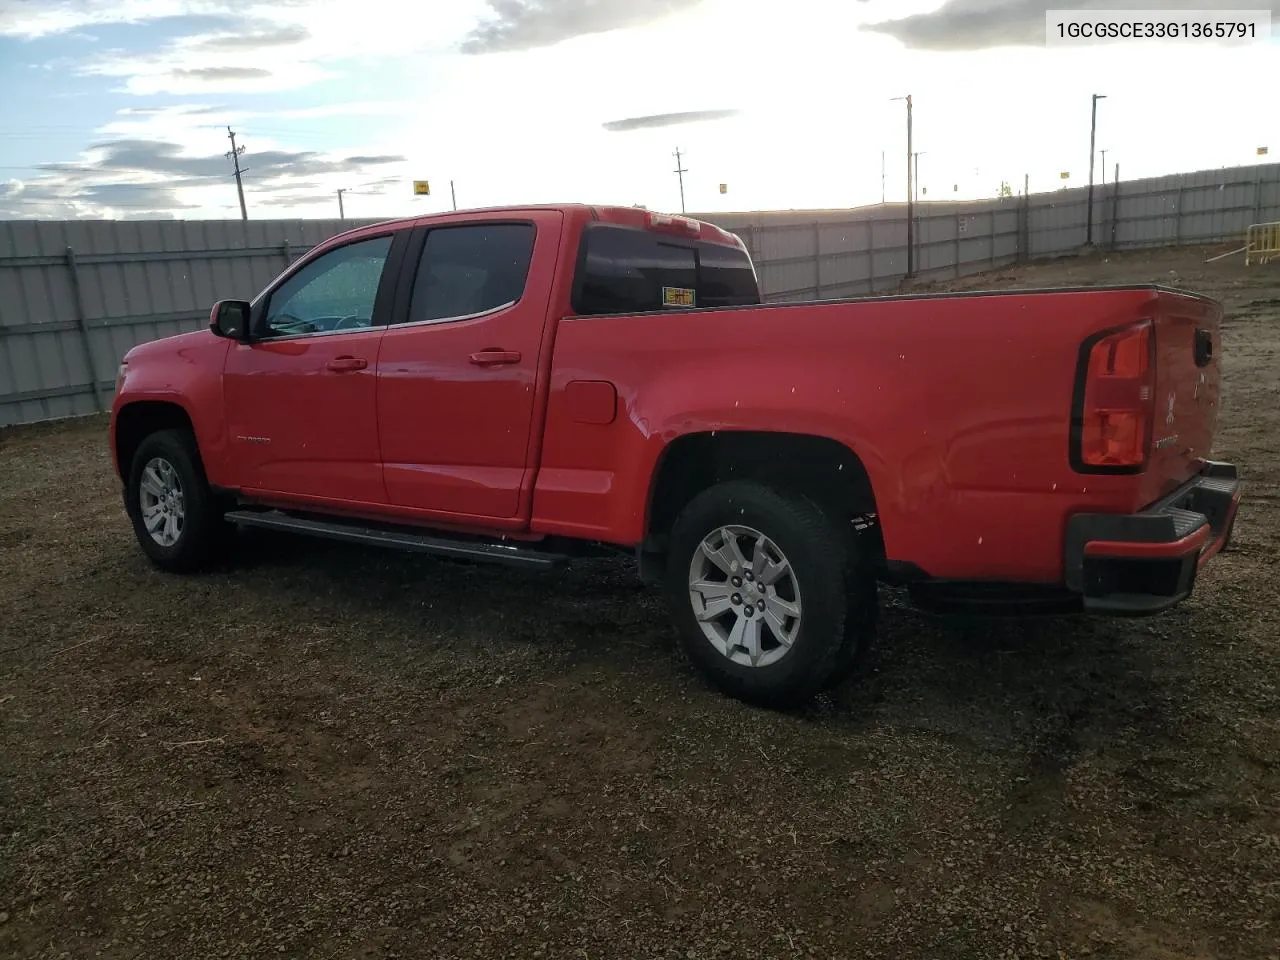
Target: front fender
{"x":186,"y":372}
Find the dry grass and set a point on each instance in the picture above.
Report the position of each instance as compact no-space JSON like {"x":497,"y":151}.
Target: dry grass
{"x":332,"y":752}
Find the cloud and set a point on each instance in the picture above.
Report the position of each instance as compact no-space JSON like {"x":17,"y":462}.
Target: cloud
{"x":296,"y":200}
{"x":182,"y":110}
{"x":223,"y":46}
{"x":373,"y":161}
{"x":58,"y":199}
{"x":30,"y":19}
{"x":982,"y":24}
{"x":668,"y":119}
{"x":147,"y":196}
{"x":260,"y":39}
{"x":526,"y":24}
{"x":167,"y":159}
{"x":137,"y":176}
{"x":223,"y":73}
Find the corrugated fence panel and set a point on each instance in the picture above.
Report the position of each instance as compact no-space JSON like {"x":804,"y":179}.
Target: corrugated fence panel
{"x":140,"y":280}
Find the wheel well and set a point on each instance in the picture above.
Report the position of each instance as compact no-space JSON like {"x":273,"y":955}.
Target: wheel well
{"x":137,"y":421}
{"x":820,"y":467}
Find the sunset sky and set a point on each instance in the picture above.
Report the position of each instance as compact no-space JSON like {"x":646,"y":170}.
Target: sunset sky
{"x":119,"y":108}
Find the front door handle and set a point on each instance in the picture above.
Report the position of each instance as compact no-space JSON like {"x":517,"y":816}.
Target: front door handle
{"x":492,"y":358}
{"x":342,"y":364}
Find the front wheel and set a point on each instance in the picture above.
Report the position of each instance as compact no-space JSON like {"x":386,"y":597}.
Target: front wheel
{"x":175,"y":515}
{"x":759,"y":581}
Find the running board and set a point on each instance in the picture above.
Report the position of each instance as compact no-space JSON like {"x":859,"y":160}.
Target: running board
{"x":398,"y":539}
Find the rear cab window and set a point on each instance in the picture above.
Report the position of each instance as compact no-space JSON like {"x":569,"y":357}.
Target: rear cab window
{"x":471,"y":269}
{"x":623,"y":269}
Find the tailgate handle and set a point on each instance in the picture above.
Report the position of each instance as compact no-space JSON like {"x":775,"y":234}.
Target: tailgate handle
{"x":1204,"y":348}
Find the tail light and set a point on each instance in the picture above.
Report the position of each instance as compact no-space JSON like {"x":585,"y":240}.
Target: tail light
{"x":1113,"y":406}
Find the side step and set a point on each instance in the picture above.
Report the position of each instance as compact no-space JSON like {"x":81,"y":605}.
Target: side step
{"x":399,"y":539}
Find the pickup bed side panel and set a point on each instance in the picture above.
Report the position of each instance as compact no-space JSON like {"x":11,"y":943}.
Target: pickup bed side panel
{"x":958,"y":407}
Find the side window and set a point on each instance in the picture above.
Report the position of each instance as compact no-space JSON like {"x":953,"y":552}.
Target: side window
{"x":726,"y":277}
{"x":335,"y":291}
{"x":471,"y":269}
{"x":626,"y":271}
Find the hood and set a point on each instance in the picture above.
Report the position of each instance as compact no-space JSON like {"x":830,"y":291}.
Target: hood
{"x":171,"y":345}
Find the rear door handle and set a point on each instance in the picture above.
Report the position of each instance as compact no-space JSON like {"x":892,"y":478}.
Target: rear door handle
{"x":492,"y":358}
{"x":1204,"y":348}
{"x":341,"y":364}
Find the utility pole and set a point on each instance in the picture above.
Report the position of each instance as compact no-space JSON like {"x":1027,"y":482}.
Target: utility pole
{"x":1104,"y":167}
{"x":911,"y":206}
{"x":882,"y":176}
{"x":680,"y":172}
{"x":1093,"y":131}
{"x":342,"y":214}
{"x":454,"y":194}
{"x":234,"y":157}
{"x":915,"y":157}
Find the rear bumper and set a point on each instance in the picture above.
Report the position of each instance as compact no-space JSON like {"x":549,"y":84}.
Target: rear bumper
{"x":1146,"y":562}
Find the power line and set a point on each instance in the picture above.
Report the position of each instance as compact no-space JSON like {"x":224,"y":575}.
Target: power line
{"x":234,"y":156}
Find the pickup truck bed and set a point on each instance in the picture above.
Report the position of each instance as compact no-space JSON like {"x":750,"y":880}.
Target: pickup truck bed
{"x":529,"y":384}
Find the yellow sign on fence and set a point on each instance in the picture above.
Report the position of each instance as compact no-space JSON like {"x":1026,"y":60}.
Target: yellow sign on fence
{"x":1262,"y":243}
{"x":421,"y":188}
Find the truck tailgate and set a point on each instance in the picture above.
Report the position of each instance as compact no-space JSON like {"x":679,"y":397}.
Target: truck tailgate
{"x":1185,"y":414}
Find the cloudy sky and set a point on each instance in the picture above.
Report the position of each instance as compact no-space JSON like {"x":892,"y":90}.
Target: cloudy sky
{"x":120,"y":108}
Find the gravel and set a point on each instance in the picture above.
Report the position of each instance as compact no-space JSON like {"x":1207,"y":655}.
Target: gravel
{"x":332,"y":752}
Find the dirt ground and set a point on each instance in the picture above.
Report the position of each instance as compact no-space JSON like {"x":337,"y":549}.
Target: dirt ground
{"x":339,"y":753}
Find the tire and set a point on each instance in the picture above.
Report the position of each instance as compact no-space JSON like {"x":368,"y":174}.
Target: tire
{"x":860,"y":628}
{"x":818,"y":559}
{"x":197,"y":538}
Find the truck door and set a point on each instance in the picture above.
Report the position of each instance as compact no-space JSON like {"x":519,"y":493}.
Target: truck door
{"x":300,"y":398}
{"x":458,"y":366}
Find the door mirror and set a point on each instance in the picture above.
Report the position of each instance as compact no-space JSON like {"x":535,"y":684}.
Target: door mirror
{"x":230,"y":319}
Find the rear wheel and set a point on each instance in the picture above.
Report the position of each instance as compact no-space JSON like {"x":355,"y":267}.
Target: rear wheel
{"x":859,"y":629}
{"x":758,"y":583}
{"x":176,"y":517}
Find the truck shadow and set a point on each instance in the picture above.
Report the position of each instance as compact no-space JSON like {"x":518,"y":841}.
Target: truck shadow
{"x":1036,"y":697}
{"x":1052,"y":681}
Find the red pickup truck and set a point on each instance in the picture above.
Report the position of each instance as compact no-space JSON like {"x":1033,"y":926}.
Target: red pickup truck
{"x":527,"y":385}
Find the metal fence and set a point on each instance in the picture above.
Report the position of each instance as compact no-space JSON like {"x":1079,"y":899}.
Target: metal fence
{"x":76,"y":295}
{"x":804,"y":254}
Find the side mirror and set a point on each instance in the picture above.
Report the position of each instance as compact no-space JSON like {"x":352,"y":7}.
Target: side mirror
{"x":230,"y":319}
